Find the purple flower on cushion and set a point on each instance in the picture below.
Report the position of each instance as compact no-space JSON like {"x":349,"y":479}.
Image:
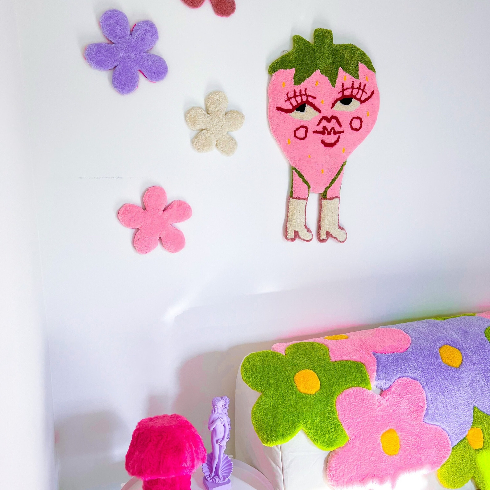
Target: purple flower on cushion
{"x":128,"y":52}
{"x":451,"y":360}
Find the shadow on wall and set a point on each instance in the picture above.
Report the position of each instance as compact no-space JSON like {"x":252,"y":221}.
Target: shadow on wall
{"x":85,"y":443}
{"x":158,"y":405}
{"x":206,"y":376}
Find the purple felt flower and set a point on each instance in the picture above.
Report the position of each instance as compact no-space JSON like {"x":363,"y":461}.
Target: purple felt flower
{"x":451,"y":360}
{"x":128,"y":52}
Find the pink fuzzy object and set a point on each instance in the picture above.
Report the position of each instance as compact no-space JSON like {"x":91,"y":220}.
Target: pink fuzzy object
{"x":359,"y":346}
{"x":485,"y":314}
{"x":155,"y":221}
{"x":366,"y":417}
{"x":318,"y":146}
{"x":164,"y":452}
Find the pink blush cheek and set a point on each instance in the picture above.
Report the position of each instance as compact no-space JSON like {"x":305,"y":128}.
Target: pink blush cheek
{"x":356,"y":130}
{"x":360,"y":120}
{"x":356,"y":123}
{"x":369,"y":110}
{"x":352,"y":139}
{"x":277,"y":126}
{"x":301,"y":132}
{"x":302,"y":153}
{"x":292,"y":135}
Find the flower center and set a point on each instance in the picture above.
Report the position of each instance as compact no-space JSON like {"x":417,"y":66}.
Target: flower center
{"x":451,"y":356}
{"x":390,"y":442}
{"x":307,"y":381}
{"x":336,"y":337}
{"x":475,"y":437}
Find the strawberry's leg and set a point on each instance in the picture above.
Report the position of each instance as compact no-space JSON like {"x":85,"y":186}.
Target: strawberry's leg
{"x":328,"y":223}
{"x":296,"y":220}
{"x":300,"y":189}
{"x":333,"y":189}
{"x":296,"y":215}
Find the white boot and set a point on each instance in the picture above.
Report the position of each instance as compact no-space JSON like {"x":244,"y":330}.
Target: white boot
{"x":329,"y":221}
{"x":296,"y":220}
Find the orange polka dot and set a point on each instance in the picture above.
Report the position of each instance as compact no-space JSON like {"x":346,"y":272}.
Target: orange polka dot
{"x":390,"y":442}
{"x":475,"y":437}
{"x":451,"y":356}
{"x":307,"y":381}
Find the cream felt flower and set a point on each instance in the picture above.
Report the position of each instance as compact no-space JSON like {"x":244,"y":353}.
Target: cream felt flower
{"x":213,"y":124}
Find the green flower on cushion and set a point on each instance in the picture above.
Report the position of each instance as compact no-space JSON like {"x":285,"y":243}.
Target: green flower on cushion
{"x":299,"y":390}
{"x":470,"y":458}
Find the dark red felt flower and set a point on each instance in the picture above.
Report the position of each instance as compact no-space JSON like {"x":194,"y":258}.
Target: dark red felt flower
{"x":223,"y":8}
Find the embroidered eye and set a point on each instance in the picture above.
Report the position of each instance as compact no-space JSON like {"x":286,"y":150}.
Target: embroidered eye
{"x":302,"y":106}
{"x":304,"y":112}
{"x":351,"y":97}
{"x":347,"y":104}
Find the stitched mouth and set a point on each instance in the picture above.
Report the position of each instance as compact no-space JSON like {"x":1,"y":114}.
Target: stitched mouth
{"x":325,"y":131}
{"x":326,"y":144}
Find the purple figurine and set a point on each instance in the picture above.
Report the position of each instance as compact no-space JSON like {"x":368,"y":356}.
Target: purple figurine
{"x":218,"y":466}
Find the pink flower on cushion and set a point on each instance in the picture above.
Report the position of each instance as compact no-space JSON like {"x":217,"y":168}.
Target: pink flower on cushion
{"x":387,"y":436}
{"x":359,"y":346}
{"x":155,"y":221}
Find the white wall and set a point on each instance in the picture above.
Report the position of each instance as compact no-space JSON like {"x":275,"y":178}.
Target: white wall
{"x":132,"y":336}
{"x":26,"y":432}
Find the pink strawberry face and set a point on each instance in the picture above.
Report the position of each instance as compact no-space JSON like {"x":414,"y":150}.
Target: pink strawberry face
{"x":317,"y":125}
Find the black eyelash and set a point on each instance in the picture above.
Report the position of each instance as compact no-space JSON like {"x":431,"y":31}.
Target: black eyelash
{"x":297,"y":99}
{"x":353,"y":92}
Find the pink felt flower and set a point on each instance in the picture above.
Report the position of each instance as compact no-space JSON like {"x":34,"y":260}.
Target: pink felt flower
{"x":359,"y":346}
{"x":387,"y":436}
{"x":155,"y":221}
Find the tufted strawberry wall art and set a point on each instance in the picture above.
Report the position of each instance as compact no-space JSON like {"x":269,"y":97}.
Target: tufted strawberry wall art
{"x":323,"y":102}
